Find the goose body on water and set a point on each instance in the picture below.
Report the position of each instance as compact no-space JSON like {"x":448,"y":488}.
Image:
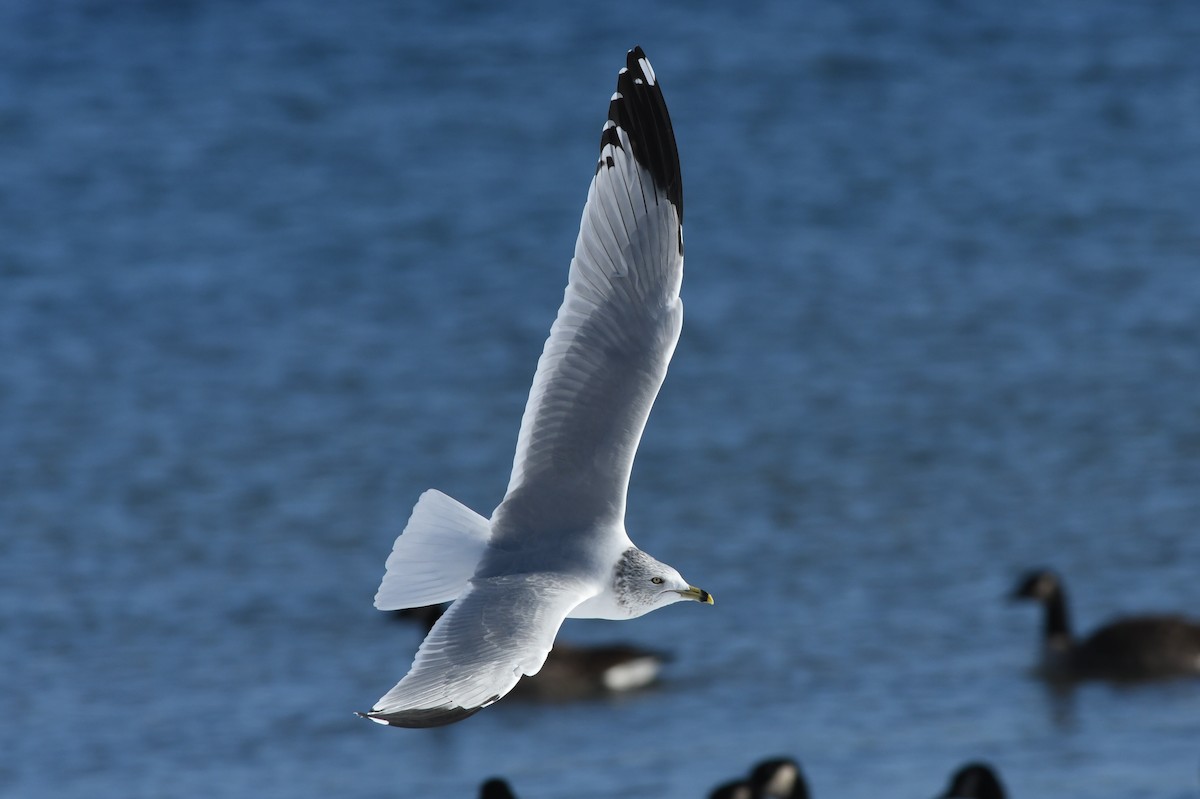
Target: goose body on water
{"x":1144,"y":647}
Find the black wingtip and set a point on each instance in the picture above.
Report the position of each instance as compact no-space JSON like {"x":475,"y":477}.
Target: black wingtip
{"x":639,"y":109}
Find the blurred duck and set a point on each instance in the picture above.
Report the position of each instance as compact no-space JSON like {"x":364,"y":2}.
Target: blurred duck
{"x":734,"y":789}
{"x":574,"y":672}
{"x":496,"y":788}
{"x":782,"y":778}
{"x":1130,"y":648}
{"x":974,"y":781}
{"x":777,"y":778}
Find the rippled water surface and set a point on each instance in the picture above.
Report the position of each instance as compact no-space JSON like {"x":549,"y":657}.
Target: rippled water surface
{"x":270,"y":269}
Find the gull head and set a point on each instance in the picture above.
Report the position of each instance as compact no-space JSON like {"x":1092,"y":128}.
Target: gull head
{"x":642,"y":584}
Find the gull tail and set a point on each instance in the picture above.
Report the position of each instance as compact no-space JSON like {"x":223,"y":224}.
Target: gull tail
{"x":435,"y":556}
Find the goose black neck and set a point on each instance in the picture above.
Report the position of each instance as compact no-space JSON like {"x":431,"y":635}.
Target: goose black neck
{"x":1056,"y":624}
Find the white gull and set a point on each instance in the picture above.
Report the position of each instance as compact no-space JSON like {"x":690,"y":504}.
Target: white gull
{"x":556,"y":546}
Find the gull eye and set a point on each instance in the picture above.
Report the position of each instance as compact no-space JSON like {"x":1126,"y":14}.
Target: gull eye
{"x":656,"y":580}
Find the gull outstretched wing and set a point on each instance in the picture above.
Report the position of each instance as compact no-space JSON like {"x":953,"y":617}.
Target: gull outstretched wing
{"x":609,"y":347}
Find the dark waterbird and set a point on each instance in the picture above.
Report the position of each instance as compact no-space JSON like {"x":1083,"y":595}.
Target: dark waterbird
{"x":974,"y":781}
{"x":1144,"y":647}
{"x":775,"y":778}
{"x":496,"y":788}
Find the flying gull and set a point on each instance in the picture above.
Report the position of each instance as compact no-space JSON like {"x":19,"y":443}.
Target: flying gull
{"x":556,"y":546}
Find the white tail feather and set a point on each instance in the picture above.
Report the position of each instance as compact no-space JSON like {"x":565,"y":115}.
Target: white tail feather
{"x":435,"y":556}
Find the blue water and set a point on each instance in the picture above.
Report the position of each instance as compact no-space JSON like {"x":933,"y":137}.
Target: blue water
{"x":270,"y":269}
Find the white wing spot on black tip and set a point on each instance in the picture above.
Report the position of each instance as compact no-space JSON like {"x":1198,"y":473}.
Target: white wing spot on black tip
{"x":647,"y":70}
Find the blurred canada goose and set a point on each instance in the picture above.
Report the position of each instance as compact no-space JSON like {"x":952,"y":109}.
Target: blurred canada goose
{"x":574,"y":671}
{"x":1130,"y":648}
{"x":496,"y":788}
{"x":734,"y":789}
{"x":777,"y":778}
{"x":974,"y":781}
